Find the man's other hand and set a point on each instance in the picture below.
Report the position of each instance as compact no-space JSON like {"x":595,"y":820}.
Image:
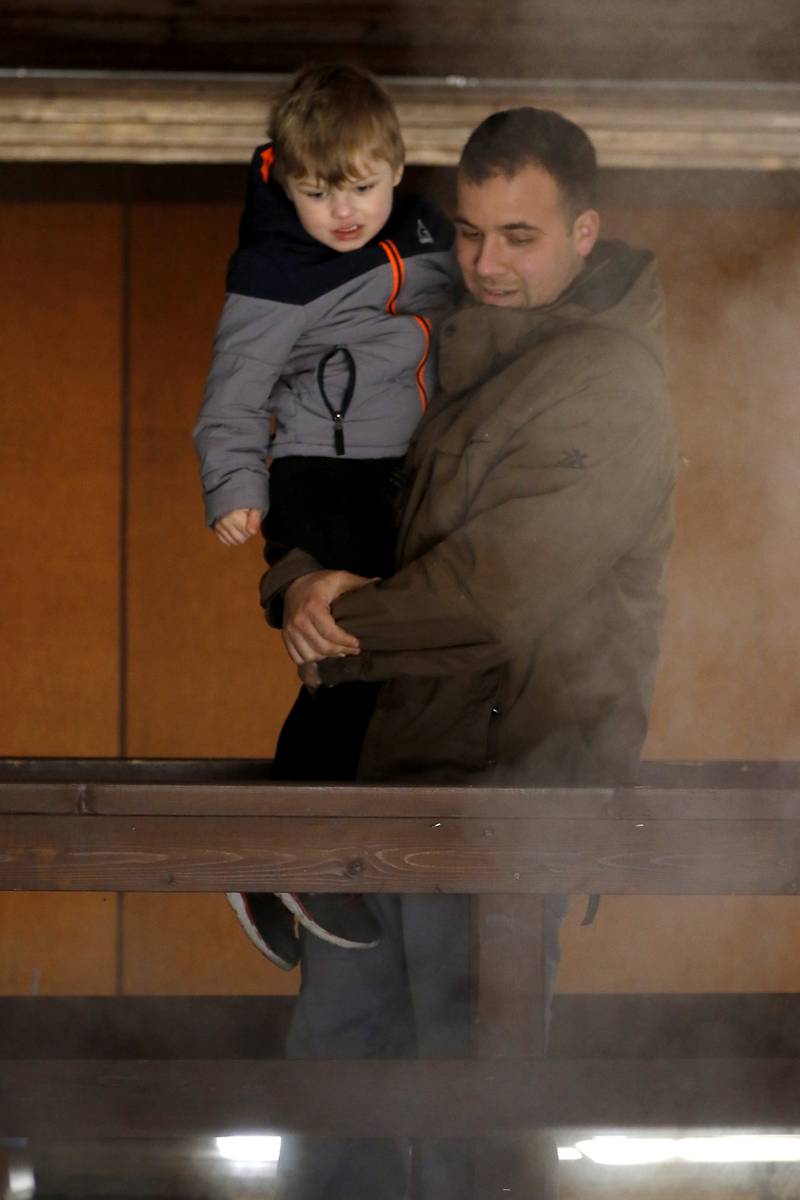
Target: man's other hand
{"x":238,"y":525}
{"x":309,"y":631}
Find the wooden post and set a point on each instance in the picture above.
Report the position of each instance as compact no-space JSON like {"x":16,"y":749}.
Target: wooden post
{"x":509,"y":1005}
{"x":509,"y":980}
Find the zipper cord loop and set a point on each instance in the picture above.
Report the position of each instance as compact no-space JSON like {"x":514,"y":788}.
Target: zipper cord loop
{"x":339,"y":413}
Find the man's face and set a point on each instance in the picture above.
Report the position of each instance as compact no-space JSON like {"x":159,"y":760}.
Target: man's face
{"x":347,"y":216}
{"x":518,"y":246}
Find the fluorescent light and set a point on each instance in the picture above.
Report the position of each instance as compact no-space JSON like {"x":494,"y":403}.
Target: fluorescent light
{"x":622,"y":1151}
{"x":741,"y":1148}
{"x":21,"y":1183}
{"x":250,"y":1149}
{"x":569,"y":1154}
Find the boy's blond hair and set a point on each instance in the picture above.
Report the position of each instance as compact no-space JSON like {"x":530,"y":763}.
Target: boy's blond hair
{"x":330,"y":120}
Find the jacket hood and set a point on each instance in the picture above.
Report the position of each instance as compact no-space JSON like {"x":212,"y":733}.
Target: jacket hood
{"x":268,"y":212}
{"x":277,"y":259}
{"x":618,"y":289}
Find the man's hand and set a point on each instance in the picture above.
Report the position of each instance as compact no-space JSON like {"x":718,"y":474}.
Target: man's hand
{"x":238,"y":525}
{"x":309,"y":631}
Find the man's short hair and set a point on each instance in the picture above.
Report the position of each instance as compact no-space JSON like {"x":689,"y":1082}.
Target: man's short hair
{"x":329,"y":120}
{"x":506,"y":142}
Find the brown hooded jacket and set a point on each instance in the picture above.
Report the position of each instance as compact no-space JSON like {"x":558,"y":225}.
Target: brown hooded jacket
{"x":518,"y":639}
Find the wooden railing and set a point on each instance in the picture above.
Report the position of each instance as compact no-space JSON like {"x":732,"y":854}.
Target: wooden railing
{"x":689,"y":829}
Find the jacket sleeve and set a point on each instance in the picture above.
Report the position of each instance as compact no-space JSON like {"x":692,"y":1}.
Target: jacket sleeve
{"x":274,"y":582}
{"x":252,"y":343}
{"x":572,"y":491}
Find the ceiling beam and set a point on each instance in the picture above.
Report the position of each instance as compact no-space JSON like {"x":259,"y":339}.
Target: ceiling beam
{"x":120,"y":117}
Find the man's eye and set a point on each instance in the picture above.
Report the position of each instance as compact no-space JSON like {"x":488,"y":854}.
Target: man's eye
{"x":520,"y":241}
{"x":469,"y":235}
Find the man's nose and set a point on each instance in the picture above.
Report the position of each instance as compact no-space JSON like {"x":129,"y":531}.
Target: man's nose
{"x":489,"y":260}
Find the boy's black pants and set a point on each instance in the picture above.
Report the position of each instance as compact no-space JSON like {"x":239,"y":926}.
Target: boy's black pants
{"x":342,"y":511}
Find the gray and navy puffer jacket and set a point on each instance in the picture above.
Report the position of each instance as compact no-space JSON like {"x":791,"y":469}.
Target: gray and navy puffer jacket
{"x":319,"y":352}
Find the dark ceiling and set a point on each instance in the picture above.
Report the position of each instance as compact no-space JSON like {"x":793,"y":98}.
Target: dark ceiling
{"x":714,"y":40}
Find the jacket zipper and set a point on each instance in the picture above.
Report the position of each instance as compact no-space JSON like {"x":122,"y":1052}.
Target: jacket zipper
{"x":339,"y":413}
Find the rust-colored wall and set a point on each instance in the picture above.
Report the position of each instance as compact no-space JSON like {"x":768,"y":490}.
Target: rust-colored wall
{"x":60,"y":306}
{"x":206,"y":678}
{"x":105,"y":326}
{"x":60,"y":412}
{"x":728,"y":684}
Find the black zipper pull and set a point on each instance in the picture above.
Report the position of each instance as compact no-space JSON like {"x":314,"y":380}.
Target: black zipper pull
{"x":338,"y":433}
{"x":337,"y":415}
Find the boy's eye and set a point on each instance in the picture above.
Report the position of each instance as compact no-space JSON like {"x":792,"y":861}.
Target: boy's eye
{"x":364,"y":187}
{"x":313,"y":195}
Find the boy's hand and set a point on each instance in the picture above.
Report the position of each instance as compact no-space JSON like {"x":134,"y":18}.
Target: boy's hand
{"x":309,"y":631}
{"x":237,"y":526}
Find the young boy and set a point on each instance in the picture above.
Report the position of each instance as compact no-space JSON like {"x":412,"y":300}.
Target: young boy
{"x":322,"y":360}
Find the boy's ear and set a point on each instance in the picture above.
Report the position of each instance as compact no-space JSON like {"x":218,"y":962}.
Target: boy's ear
{"x":398,"y":175}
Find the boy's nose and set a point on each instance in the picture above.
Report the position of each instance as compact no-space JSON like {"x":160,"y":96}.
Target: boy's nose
{"x":341,"y":204}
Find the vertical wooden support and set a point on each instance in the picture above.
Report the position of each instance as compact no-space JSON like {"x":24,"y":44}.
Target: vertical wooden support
{"x":509,"y":1007}
{"x":509,"y":978}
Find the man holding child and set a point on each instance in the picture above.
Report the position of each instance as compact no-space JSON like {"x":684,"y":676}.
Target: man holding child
{"x":517,"y":639}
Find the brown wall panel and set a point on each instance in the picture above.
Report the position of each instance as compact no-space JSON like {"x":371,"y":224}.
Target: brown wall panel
{"x":57,"y":944}
{"x":206,"y":677}
{"x":60,"y":339}
{"x":60,"y":346}
{"x":725,"y":687}
{"x":193,"y":945}
{"x":682,"y":944}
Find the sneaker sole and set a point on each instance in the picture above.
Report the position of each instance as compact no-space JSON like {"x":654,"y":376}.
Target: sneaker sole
{"x":239,"y":906}
{"x":305,"y":918}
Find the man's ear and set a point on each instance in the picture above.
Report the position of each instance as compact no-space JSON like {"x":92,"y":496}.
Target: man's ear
{"x":586,"y":231}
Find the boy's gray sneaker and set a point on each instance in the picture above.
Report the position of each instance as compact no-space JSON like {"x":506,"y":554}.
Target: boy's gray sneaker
{"x":341,"y":918}
{"x":269,"y":926}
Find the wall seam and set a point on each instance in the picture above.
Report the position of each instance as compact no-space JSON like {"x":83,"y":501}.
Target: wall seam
{"x":124,"y":481}
{"x":122,"y":734}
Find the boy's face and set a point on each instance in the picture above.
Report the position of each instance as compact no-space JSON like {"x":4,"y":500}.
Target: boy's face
{"x":347,"y":216}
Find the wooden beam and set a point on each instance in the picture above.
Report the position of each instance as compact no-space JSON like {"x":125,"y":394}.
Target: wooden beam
{"x":251,"y":1027}
{"x":173,"y":118}
{"x":148,"y":1098}
{"x":722,"y":790}
{"x":137,"y":834}
{"x":376,"y":854}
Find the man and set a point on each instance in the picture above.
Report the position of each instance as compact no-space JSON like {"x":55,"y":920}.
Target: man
{"x":517,"y":641}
